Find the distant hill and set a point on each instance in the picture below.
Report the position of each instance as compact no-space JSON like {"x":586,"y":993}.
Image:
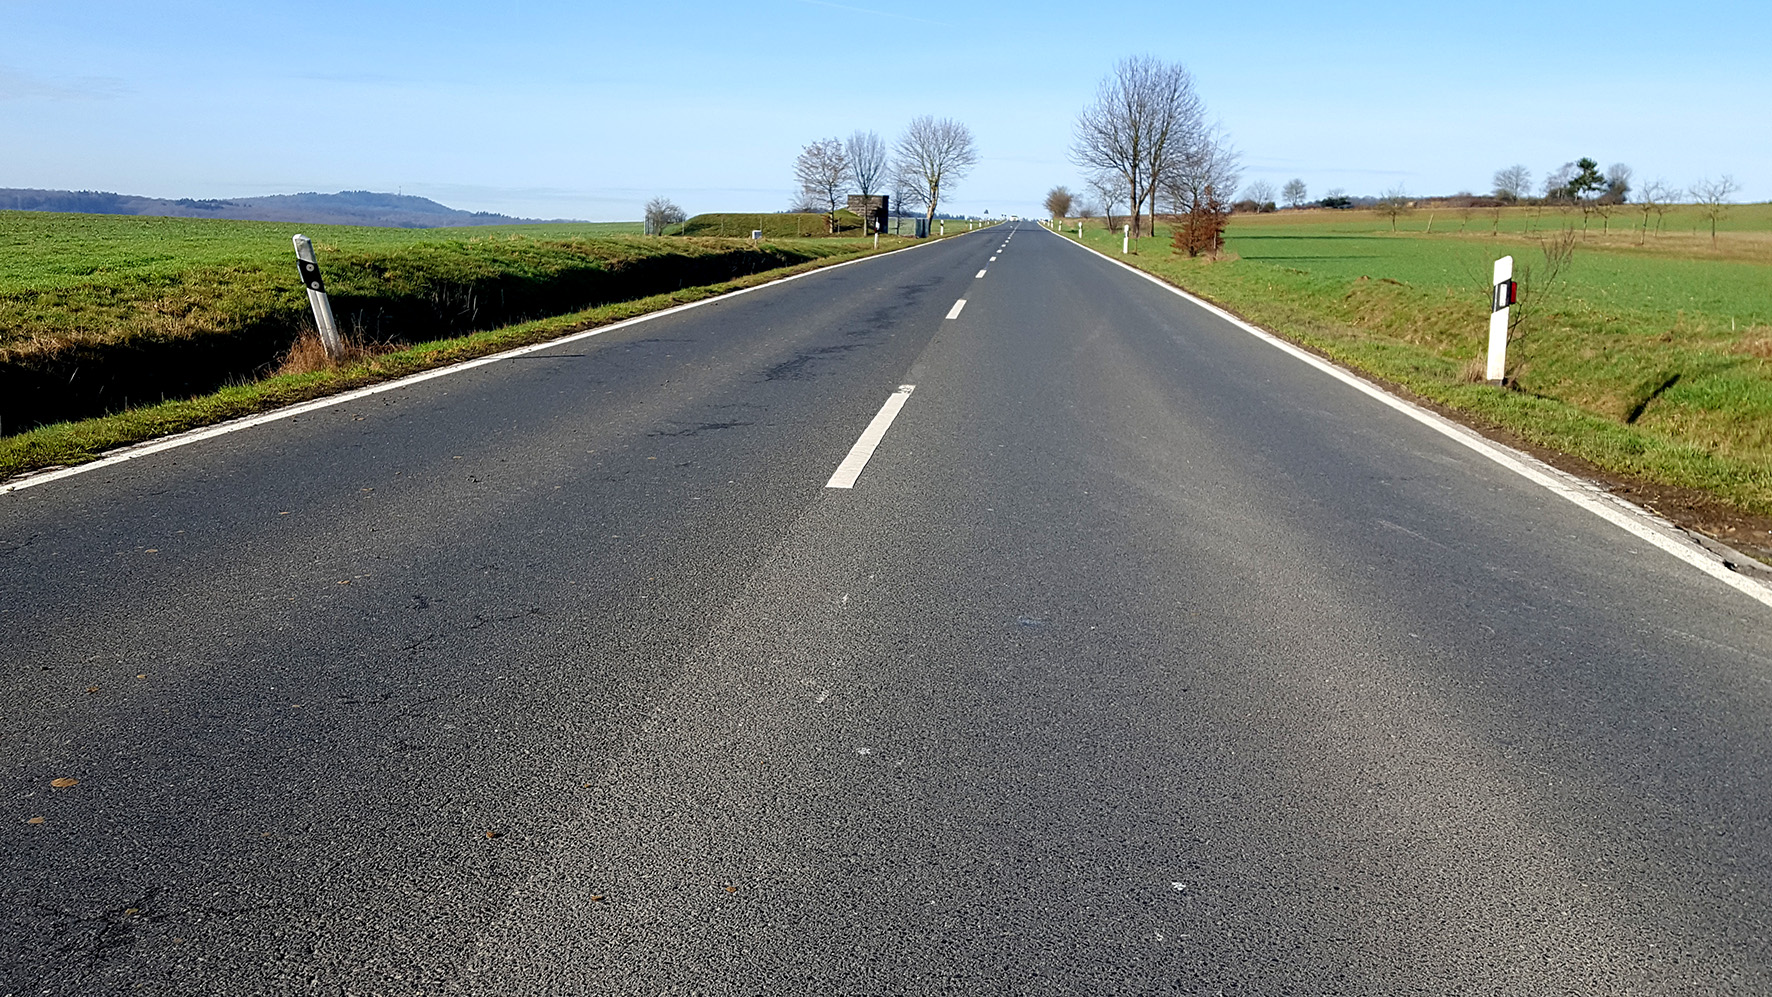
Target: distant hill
{"x":347,"y":207}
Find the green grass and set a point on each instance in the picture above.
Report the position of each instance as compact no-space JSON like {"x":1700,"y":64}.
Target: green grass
{"x":166,"y":289}
{"x":1651,"y":361}
{"x":82,"y":440}
{"x":773,"y":226}
{"x":44,"y":250}
{"x":100,"y":312}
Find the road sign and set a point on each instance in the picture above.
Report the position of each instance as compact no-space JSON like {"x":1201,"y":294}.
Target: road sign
{"x":1506,"y":294}
{"x":322,"y":305}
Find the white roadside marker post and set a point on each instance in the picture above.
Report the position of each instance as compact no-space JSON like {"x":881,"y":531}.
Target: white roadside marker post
{"x":1125,"y":240}
{"x":1505,"y":295}
{"x":1079,"y":231}
{"x":310,"y":277}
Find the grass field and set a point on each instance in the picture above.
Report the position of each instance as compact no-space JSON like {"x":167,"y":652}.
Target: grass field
{"x":1652,"y":362}
{"x":137,"y":327}
{"x":788,"y":226}
{"x":773,"y":226}
{"x":101,"y":312}
{"x":45,"y":250}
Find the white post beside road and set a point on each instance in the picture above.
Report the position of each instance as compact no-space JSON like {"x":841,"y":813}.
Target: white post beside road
{"x":1499,"y":306}
{"x":1126,"y":240}
{"x":310,"y":277}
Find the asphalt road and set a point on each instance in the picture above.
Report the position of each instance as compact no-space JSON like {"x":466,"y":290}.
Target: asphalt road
{"x":1140,"y":658}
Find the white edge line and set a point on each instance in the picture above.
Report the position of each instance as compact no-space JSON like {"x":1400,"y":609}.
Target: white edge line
{"x":150,"y":447}
{"x":863,"y":451}
{"x":1631,"y":518}
{"x":954,"y":312}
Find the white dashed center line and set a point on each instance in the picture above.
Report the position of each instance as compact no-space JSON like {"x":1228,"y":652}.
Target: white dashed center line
{"x":978,"y":275}
{"x":859,"y":454}
{"x":954,"y":312}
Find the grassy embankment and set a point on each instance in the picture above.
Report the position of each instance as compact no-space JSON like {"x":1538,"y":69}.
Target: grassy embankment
{"x":782,"y":226}
{"x":99,"y":313}
{"x":1652,"y":362}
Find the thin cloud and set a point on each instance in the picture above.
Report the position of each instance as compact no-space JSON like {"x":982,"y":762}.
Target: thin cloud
{"x":16,"y":85}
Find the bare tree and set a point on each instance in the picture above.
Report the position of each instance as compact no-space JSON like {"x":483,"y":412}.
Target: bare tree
{"x":933,"y":155}
{"x":1394,"y":203}
{"x":823,"y":169}
{"x":1658,"y":196}
{"x":904,"y":198}
{"x":1058,"y":202}
{"x":1537,"y":289}
{"x":1202,"y":177}
{"x":1652,"y":198}
{"x":661,"y":214}
{"x":1145,"y":117}
{"x":867,"y":162}
{"x":1261,"y":192}
{"x":1085,"y":209}
{"x":1556,"y":184}
{"x":1712,"y":197}
{"x":1295,"y":193}
{"x":1109,"y":186}
{"x":1513,"y":183}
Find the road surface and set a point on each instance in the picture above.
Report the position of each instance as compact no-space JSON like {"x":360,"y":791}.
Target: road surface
{"x":1140,"y":657}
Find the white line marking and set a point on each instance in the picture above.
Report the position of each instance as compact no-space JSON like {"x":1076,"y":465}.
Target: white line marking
{"x":978,"y":275}
{"x":148,"y":447}
{"x":859,"y":454}
{"x":993,"y":259}
{"x":954,"y":312}
{"x":1633,"y":519}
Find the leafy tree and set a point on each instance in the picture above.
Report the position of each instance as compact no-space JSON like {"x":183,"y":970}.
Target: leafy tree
{"x":1588,"y":182}
{"x":1337,"y":199}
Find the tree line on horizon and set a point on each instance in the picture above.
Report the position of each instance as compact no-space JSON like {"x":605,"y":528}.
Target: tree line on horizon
{"x":930,"y":157}
{"x":1145,"y":142}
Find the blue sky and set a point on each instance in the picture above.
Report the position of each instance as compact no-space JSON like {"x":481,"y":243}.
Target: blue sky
{"x":551,"y":109}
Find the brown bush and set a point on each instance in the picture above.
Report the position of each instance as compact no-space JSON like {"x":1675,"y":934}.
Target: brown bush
{"x":307,"y":355}
{"x":1201,"y":230}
